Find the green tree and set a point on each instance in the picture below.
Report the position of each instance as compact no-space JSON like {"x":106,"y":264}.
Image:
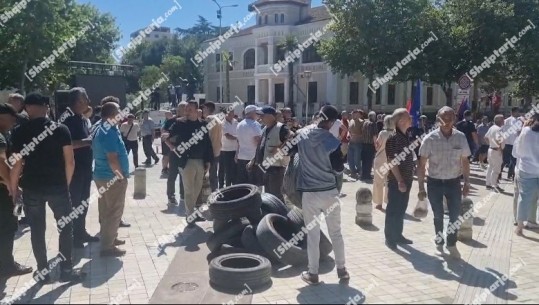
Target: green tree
{"x":173,"y":67}
{"x":288,"y":45}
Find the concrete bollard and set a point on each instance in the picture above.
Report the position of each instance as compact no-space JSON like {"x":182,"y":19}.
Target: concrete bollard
{"x":364,"y":207}
{"x":140,"y":183}
{"x":466,"y":228}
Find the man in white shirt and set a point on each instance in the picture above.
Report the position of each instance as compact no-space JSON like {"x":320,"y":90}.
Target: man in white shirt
{"x":147,"y":130}
{"x":249,"y":134}
{"x":495,"y":158}
{"x":227,"y":166}
{"x":512,"y":127}
{"x":130,"y":131}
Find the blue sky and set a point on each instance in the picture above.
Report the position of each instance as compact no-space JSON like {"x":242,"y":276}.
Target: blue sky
{"x":132,"y":15}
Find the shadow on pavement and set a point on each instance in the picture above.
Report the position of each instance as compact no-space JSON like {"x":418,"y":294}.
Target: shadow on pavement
{"x":474,"y":243}
{"x":370,"y":228}
{"x":308,"y":294}
{"x":470,"y":276}
{"x":411,"y":218}
{"x":327,"y":265}
{"x":189,"y":239}
{"x":113,"y":266}
{"x":425,"y":263}
{"x":478,"y":221}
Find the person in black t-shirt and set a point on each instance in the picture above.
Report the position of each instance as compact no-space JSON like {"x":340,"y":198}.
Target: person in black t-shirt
{"x":173,"y":166}
{"x":8,"y":221}
{"x":467,"y":127}
{"x":46,"y":149}
{"x":80,"y":185}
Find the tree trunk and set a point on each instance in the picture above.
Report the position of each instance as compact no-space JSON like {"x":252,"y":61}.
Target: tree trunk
{"x":23,"y":76}
{"x":290,"y":87}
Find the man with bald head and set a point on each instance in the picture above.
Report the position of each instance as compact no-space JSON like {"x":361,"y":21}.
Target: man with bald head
{"x":446,"y":151}
{"x":110,"y":175}
{"x":495,"y":153}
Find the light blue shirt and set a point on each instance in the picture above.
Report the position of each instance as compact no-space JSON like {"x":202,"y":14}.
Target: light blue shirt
{"x":104,"y":142}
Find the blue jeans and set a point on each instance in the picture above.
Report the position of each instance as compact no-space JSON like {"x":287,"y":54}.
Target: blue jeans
{"x":436,"y":190}
{"x":396,"y":209}
{"x":354,"y":158}
{"x":528,"y":194}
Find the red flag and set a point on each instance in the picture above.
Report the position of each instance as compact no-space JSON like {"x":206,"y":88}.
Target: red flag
{"x":409,"y":105}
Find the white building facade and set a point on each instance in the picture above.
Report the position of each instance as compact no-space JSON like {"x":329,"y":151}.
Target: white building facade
{"x":156,"y":34}
{"x":254,"y":79}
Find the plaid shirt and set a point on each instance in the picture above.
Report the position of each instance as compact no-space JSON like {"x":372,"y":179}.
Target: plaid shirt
{"x":444,"y":154}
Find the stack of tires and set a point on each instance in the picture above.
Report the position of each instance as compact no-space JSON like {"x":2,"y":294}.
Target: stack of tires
{"x":254,"y":229}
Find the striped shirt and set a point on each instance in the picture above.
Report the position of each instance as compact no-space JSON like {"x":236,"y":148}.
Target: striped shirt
{"x":398,"y":147}
{"x":369,"y":132}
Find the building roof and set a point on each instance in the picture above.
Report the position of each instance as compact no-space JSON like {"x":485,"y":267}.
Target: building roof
{"x":316,"y":14}
{"x":259,"y":3}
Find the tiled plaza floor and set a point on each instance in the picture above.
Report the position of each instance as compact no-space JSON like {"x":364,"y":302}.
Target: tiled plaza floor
{"x":411,"y":275}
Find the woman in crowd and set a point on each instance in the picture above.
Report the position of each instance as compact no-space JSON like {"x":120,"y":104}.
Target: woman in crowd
{"x":526,"y":150}
{"x":379,"y":191}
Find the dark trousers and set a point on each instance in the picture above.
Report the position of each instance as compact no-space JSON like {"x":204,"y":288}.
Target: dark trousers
{"x":396,"y":209}
{"x":148,"y":149}
{"x":273,"y":181}
{"x":173,"y":173}
{"x":227,"y":168}
{"x":367,"y":159}
{"x":242,"y":173}
{"x":8,"y":228}
{"x":132,"y":145}
{"x":436,"y":190}
{"x":60,"y":204}
{"x":214,"y":179}
{"x":509,"y":160}
{"x":79,"y":189}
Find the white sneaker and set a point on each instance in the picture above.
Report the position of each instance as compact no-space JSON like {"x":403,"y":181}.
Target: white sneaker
{"x":454,"y":252}
{"x":439,"y":250}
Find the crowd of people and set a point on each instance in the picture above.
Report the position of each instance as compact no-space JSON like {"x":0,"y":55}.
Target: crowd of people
{"x":56,"y":162}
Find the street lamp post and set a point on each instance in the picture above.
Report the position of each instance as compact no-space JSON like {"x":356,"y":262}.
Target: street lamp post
{"x":220,"y":17}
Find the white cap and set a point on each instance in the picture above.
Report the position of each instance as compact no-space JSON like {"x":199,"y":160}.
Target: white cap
{"x":250,"y":108}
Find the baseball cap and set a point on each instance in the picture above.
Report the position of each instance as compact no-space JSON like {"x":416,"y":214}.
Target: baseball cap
{"x":8,"y":109}
{"x":36,"y":99}
{"x":267,"y":110}
{"x":250,"y":109}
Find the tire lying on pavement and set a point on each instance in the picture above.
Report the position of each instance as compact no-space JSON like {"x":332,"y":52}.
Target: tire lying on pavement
{"x":234,"y":202}
{"x":273,"y":205}
{"x":250,"y":242}
{"x":274,"y":233}
{"x":240,"y":270}
{"x":229,"y":232}
{"x":289,"y":182}
{"x":295,"y":217}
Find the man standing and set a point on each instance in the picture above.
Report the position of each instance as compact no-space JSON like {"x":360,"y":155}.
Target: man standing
{"x":227,"y":166}
{"x":17,"y":101}
{"x":354,"y":148}
{"x":216,"y":134}
{"x":274,"y":135}
{"x":47,"y":170}
{"x":495,"y":153}
{"x":194,"y":159}
{"x":81,"y":183}
{"x":110,"y":174}
{"x":467,"y":127}
{"x":446,"y":150}
{"x":368,"y":151}
{"x":147,"y":131}
{"x":317,"y":181}
{"x":249,"y":135}
{"x":165,"y":150}
{"x":482,"y":130}
{"x":130,"y":131}
{"x":8,"y":221}
{"x":174,"y":167}
{"x":400,"y":179}
{"x":512,"y":127}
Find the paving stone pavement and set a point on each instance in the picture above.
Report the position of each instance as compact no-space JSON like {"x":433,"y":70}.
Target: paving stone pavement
{"x":411,"y":275}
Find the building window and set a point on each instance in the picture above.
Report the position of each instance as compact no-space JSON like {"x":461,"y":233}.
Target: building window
{"x":279,"y":93}
{"x":276,"y":18}
{"x":218,"y":93}
{"x":282,"y":18}
{"x":251,"y":95}
{"x":310,"y":55}
{"x":259,"y":20}
{"x":378,"y":100}
{"x":313,"y":92}
{"x":266,"y":19}
{"x":217,"y":62}
{"x":354,"y":93}
{"x":429,"y":96}
{"x":391,"y":94}
{"x":279,"y":55}
{"x":249,"y":59}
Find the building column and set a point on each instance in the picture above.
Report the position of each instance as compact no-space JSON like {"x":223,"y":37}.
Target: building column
{"x":332,"y":87}
{"x":270,"y":100}
{"x":270,"y":54}
{"x":365,"y":97}
{"x":257,"y":91}
{"x":286,"y":92}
